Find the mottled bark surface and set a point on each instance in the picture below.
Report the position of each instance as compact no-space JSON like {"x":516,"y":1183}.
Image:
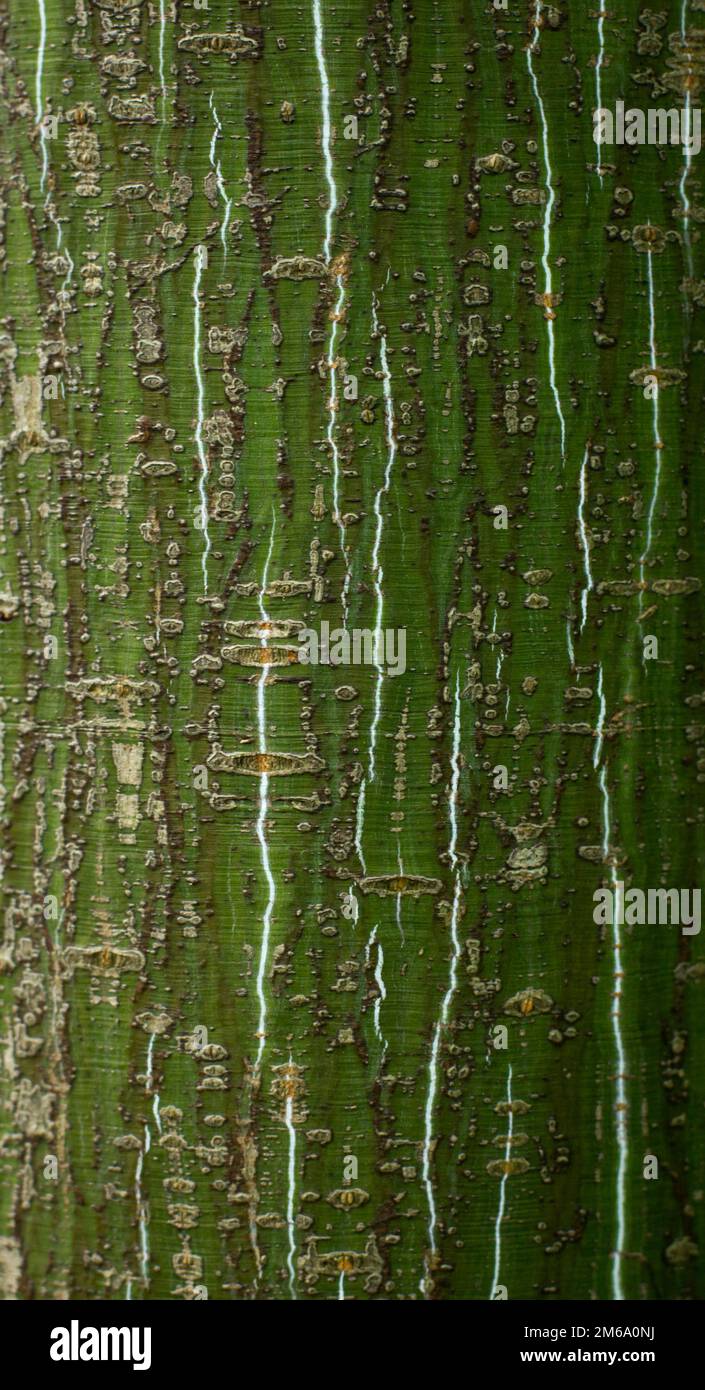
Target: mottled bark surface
{"x":263,"y":921}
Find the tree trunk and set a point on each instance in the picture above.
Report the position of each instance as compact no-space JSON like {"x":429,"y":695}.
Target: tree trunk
{"x":337,"y":314}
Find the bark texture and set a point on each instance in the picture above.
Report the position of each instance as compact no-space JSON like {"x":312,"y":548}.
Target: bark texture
{"x":297,"y":297}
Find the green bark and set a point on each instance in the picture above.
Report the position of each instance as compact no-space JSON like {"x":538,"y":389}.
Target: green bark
{"x":262,"y":920}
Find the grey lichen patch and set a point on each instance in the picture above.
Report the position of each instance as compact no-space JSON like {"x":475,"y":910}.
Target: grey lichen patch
{"x":9,"y":606}
{"x":83,"y":149}
{"x":507,"y":1167}
{"x":127,"y":1143}
{"x":578,"y":694}
{"x":681,"y":1250}
{"x":297,"y":268}
{"x":32,"y":1108}
{"x":128,"y":758}
{"x":496,"y":163}
{"x":255,"y":764}
{"x":411,"y":885}
{"x":134,"y":109}
{"x":156,"y":1023}
{"x":10,"y":1268}
{"x":527,"y":1002}
{"x":289,"y":588}
{"x":205,"y":662}
{"x":288,"y":1087}
{"x":512,"y":1107}
{"x":662,"y":376}
{"x":527,"y":862}
{"x":345,"y":1198}
{"x":673,"y":587}
{"x":261,"y":656}
{"x":27,"y":405}
{"x":121,"y":689}
{"x":233,"y":46}
{"x":262,"y":631}
{"x":528,"y":197}
{"x":534,"y":577}
{"x":332,"y":1263}
{"x":122,"y":67}
{"x":525,"y":832}
{"x":103,"y":960}
{"x":620,"y":587}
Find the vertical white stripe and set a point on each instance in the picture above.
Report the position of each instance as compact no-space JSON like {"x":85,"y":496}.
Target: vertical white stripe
{"x":382,"y":491}
{"x":450,"y":991}
{"x":548,"y":214}
{"x":162,"y":35}
{"x":39,"y":95}
{"x":602,"y":710}
{"x":598,"y":76}
{"x":584,"y":539}
{"x":502,"y":1189}
{"x":687,"y":156}
{"x":262,"y":818}
{"x":141,"y":1208}
{"x":620,"y":1104}
{"x":200,"y":419}
{"x":291,"y":1192}
{"x":655,"y":418}
{"x":217,"y":168}
{"x":332,"y":207}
